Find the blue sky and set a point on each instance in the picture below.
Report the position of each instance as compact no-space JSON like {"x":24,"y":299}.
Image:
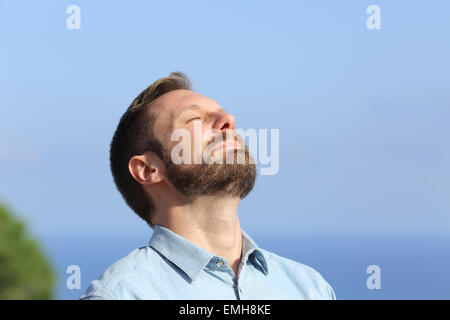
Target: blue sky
{"x":363,"y":114}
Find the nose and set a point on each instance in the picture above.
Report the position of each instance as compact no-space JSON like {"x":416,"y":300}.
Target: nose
{"x":225,"y":121}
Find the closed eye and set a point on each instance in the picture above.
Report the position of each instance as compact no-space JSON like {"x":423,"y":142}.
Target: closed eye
{"x":196,"y":118}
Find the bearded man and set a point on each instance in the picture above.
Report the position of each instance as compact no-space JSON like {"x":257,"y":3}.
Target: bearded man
{"x":189,"y":196}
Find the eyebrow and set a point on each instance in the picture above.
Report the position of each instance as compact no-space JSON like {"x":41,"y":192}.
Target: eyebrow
{"x":184,"y":109}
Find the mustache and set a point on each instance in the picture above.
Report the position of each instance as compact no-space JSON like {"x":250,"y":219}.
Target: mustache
{"x":212,"y":141}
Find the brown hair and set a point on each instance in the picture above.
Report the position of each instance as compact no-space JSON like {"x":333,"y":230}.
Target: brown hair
{"x":134,"y":136}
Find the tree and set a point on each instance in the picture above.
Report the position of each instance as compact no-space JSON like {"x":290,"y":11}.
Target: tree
{"x":25,"y":272}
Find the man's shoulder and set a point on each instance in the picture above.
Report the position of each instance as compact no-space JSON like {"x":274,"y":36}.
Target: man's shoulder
{"x":300,"y":273}
{"x":131,"y":266}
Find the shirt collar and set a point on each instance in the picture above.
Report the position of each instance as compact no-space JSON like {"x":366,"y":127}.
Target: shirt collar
{"x":191,"y":258}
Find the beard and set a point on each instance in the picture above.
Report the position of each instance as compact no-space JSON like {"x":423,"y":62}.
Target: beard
{"x":234,"y":179}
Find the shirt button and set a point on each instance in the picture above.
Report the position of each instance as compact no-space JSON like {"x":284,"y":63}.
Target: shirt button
{"x":219,"y":264}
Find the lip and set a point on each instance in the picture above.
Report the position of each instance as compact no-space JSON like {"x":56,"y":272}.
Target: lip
{"x":227,"y":144}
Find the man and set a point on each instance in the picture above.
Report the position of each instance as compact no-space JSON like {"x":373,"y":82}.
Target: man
{"x":198,"y":249}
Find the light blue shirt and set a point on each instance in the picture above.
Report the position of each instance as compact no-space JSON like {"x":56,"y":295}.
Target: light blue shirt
{"x":172,"y":267}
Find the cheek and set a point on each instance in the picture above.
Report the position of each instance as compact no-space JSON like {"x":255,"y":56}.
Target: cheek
{"x":196,"y":137}
{"x":196,"y":142}
{"x":199,"y":137}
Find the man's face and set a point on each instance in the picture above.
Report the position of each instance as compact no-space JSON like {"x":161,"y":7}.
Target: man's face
{"x":189,"y":117}
{"x":184,"y":112}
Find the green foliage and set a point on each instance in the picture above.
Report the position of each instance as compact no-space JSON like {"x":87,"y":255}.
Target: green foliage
{"x":25,"y":272}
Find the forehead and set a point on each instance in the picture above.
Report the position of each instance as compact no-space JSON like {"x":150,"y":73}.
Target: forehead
{"x":172,"y":104}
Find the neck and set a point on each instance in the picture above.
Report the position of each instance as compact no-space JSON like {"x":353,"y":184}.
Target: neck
{"x":209,"y":222}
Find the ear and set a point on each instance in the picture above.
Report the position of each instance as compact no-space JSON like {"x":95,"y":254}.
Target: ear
{"x":147,"y":168}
